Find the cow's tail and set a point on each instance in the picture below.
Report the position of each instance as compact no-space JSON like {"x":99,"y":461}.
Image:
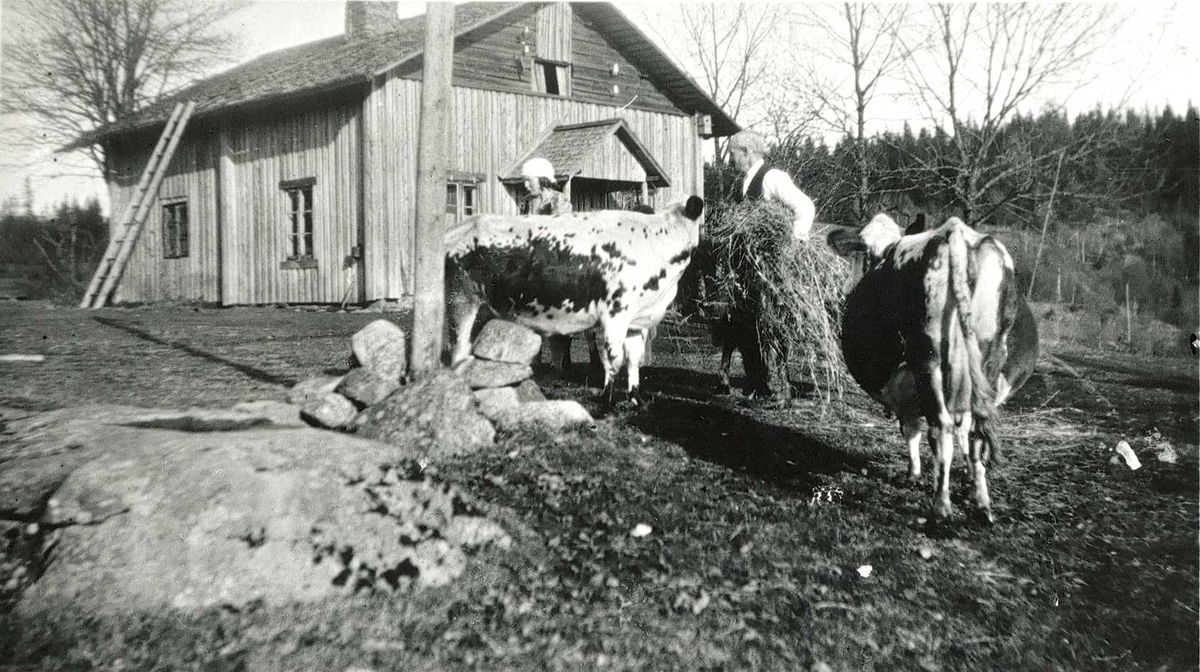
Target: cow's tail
{"x":982,"y":396}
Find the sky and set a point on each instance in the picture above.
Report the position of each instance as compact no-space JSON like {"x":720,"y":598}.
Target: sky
{"x":1159,"y":33}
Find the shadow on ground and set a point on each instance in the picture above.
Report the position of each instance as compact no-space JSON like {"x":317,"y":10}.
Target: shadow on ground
{"x":252,"y":372}
{"x":739,"y":442}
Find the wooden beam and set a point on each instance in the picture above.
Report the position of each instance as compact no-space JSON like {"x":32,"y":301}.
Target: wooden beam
{"x":433,"y":154}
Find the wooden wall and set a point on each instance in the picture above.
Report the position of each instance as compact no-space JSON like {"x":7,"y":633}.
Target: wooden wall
{"x":490,"y":58}
{"x":191,"y":175}
{"x":320,"y":143}
{"x":492,"y":129}
{"x":248,"y":239}
{"x":552,"y":31}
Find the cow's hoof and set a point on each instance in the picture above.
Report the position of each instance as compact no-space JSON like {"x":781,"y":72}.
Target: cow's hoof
{"x":984,"y":515}
{"x":941,"y":511}
{"x":914,"y":477}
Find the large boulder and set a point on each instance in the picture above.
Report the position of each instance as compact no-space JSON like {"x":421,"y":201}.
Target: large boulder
{"x":481,"y":373}
{"x":330,"y":410}
{"x":144,"y":509}
{"x":364,"y":388}
{"x":551,"y":417}
{"x":436,"y":415}
{"x":504,"y":341}
{"x":381,"y":348}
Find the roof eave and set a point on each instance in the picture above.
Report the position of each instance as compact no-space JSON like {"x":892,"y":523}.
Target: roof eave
{"x":101,"y":135}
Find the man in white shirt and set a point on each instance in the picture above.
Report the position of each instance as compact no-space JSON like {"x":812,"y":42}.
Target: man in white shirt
{"x":766,"y":372}
{"x":772,"y":184}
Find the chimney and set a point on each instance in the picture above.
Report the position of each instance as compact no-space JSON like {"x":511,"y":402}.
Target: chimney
{"x":370,"y":19}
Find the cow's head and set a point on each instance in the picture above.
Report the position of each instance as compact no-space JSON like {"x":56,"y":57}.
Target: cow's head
{"x":863,"y":247}
{"x":689,"y":209}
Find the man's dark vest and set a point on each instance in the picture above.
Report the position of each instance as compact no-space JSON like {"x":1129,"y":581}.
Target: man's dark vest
{"x":754,"y":190}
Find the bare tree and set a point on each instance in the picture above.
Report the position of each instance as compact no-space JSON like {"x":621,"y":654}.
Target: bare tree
{"x":81,"y":64}
{"x":733,"y":45}
{"x":979,"y":64}
{"x":853,"y":49}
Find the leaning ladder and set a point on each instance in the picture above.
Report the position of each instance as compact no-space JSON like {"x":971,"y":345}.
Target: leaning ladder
{"x":130,"y":225}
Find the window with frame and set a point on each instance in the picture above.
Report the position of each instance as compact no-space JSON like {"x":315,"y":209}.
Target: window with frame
{"x":300,"y":218}
{"x":462,"y":200}
{"x":175,"y":229}
{"x":551,"y":77}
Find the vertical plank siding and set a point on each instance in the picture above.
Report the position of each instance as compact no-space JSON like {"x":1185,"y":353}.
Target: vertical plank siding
{"x":191,"y":175}
{"x":492,"y":129}
{"x":362,"y":150}
{"x":316,"y":143}
{"x":552,"y":30}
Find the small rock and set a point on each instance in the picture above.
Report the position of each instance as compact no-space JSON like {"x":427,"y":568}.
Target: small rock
{"x":504,"y":341}
{"x":312,"y":387}
{"x":492,"y":400}
{"x":381,"y":347}
{"x":820,"y":667}
{"x":926,"y":552}
{"x":481,"y":373}
{"x":330,"y":410}
{"x":640,"y":530}
{"x":529,"y":391}
{"x":865,"y":571}
{"x":364,"y":388}
{"x":548,"y":416}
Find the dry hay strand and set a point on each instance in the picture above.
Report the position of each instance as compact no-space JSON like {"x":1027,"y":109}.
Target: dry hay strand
{"x":794,"y":288}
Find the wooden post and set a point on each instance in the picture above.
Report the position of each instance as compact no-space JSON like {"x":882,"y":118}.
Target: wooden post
{"x":433,"y":157}
{"x":1128,"y":320}
{"x":1058,"y":289}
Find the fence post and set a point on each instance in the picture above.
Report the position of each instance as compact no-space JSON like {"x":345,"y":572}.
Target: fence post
{"x":1128,"y":320}
{"x":433,"y":147}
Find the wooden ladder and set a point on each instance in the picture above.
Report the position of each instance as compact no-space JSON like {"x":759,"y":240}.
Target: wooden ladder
{"x":130,"y":225}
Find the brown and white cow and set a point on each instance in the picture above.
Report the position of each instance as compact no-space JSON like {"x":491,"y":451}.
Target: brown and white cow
{"x":563,"y":274}
{"x":936,"y":328}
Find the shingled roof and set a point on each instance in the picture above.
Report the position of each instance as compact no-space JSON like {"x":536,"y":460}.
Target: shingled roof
{"x":568,"y":148}
{"x":340,"y":62}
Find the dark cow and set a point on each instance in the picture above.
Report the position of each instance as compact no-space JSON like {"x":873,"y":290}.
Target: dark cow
{"x":936,"y":328}
{"x":615,"y":269}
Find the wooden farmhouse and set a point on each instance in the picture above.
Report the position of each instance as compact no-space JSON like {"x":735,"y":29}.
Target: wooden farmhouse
{"x":294,"y":180}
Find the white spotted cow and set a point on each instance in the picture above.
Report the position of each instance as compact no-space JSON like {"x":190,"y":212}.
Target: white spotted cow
{"x":936,"y":328}
{"x":568,"y":273}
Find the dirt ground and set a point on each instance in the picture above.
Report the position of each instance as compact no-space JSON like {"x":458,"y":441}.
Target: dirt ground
{"x":762,"y":520}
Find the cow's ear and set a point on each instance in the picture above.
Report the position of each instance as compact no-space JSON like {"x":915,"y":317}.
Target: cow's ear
{"x":918,"y":225}
{"x":693,"y":207}
{"x":845,"y":240}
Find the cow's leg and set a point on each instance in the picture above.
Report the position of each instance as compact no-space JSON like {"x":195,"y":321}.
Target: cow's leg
{"x":615,"y":329}
{"x":635,"y":344}
{"x":594,"y":351}
{"x":910,"y":429}
{"x":983,"y":500}
{"x":463,"y":312}
{"x":941,"y":440}
{"x":726,"y":360}
{"x":962,"y":437}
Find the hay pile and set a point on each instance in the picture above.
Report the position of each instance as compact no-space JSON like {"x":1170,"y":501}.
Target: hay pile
{"x":795,"y":287}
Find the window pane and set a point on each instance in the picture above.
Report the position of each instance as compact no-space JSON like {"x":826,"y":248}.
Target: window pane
{"x":452,"y":199}
{"x":551,"y":74}
{"x":468,"y":200}
{"x":181,"y":228}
